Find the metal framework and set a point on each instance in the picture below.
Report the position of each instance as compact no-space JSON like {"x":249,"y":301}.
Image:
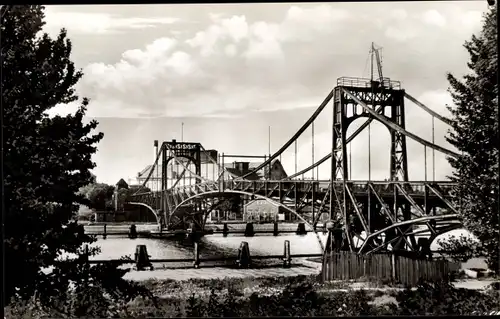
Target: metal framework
{"x":368,"y":216}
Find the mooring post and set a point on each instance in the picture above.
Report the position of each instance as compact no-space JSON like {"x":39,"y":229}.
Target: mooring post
{"x":301,"y":229}
{"x":104,"y":235}
{"x":287,"y":257}
{"x":275,"y":231}
{"x":225,"y":230}
{"x":196,"y":263}
{"x":142,"y":258}
{"x":243,"y":255}
{"x":249,"y":232}
{"x":132,"y":234}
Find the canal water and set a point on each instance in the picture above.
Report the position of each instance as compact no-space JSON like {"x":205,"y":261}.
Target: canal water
{"x":114,"y":247}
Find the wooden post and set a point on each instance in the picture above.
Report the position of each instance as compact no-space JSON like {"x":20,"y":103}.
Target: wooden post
{"x":132,"y":234}
{"x":249,"y":232}
{"x":225,"y":230}
{"x":287,"y":257}
{"x":275,"y":231}
{"x":393,"y":266}
{"x":104,"y":235}
{"x":196,"y":263}
{"x":301,"y":229}
{"x":244,"y":255}
{"x":142,"y":258}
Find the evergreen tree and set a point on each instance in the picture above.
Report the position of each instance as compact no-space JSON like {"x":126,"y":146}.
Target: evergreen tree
{"x":474,"y":134}
{"x":46,"y":161}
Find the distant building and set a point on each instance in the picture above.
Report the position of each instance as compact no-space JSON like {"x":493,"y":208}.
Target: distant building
{"x":121,"y":184}
{"x":238,"y":169}
{"x":277,"y":171}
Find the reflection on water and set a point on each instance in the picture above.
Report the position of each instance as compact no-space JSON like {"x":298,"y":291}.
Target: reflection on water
{"x":212,"y":245}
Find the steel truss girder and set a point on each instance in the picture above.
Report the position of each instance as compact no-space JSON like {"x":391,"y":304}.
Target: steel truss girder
{"x":406,"y":193}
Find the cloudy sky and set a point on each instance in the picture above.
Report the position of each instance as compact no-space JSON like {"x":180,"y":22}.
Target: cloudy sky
{"x":229,"y":71}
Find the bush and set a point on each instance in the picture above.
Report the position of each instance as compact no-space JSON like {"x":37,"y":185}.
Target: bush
{"x":298,"y":298}
{"x":443,"y":299}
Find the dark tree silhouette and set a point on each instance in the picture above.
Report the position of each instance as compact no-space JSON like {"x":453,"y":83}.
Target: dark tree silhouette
{"x":46,"y":161}
{"x":474,"y":134}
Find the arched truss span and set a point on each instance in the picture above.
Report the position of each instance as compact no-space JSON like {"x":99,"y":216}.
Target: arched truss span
{"x":422,"y":220}
{"x":242,"y":193}
{"x":148,"y":207}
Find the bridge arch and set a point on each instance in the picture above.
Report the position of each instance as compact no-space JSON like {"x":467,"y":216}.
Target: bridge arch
{"x":421,"y":220}
{"x":243,"y":193}
{"x":158,"y":219}
{"x":353,"y":118}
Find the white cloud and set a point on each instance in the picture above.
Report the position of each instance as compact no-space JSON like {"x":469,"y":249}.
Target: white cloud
{"x":98,"y":23}
{"x":236,"y":26}
{"x":399,"y":34}
{"x":398,"y":14}
{"x":236,"y":63}
{"x":433,"y":17}
{"x":264,"y":43}
{"x":302,"y":24}
{"x":472,"y":19}
{"x":231,"y":50}
{"x":207,"y":39}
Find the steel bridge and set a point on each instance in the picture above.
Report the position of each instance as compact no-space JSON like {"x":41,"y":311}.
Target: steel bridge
{"x":382,"y":215}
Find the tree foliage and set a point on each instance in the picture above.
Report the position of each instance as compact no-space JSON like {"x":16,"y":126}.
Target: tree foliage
{"x":46,"y":159}
{"x":100,"y":195}
{"x":474,"y":134}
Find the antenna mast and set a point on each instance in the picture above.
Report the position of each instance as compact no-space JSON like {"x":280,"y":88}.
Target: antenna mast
{"x":376,"y":54}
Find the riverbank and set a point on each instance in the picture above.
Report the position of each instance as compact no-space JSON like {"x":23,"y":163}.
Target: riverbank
{"x":305,"y":296}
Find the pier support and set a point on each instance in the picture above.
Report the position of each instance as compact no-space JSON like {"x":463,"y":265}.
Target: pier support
{"x":301,"y":229}
{"x":132,"y":234}
{"x":249,"y":231}
{"x":225,"y":230}
{"x":104,"y":235}
{"x":275,"y":230}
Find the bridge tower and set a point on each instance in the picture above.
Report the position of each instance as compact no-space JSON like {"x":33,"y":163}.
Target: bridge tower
{"x":170,"y":151}
{"x":386,"y":98}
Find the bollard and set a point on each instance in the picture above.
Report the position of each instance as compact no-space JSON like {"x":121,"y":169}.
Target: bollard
{"x":132,"y":234}
{"x":249,"y":232}
{"x":196,"y":263}
{"x":142,"y":258}
{"x":225,"y":230}
{"x":104,"y":235}
{"x":243,"y":255}
{"x":275,"y":231}
{"x":301,"y":229}
{"x":287,"y":257}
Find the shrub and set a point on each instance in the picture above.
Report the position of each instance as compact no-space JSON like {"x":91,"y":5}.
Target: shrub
{"x":443,"y":299}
